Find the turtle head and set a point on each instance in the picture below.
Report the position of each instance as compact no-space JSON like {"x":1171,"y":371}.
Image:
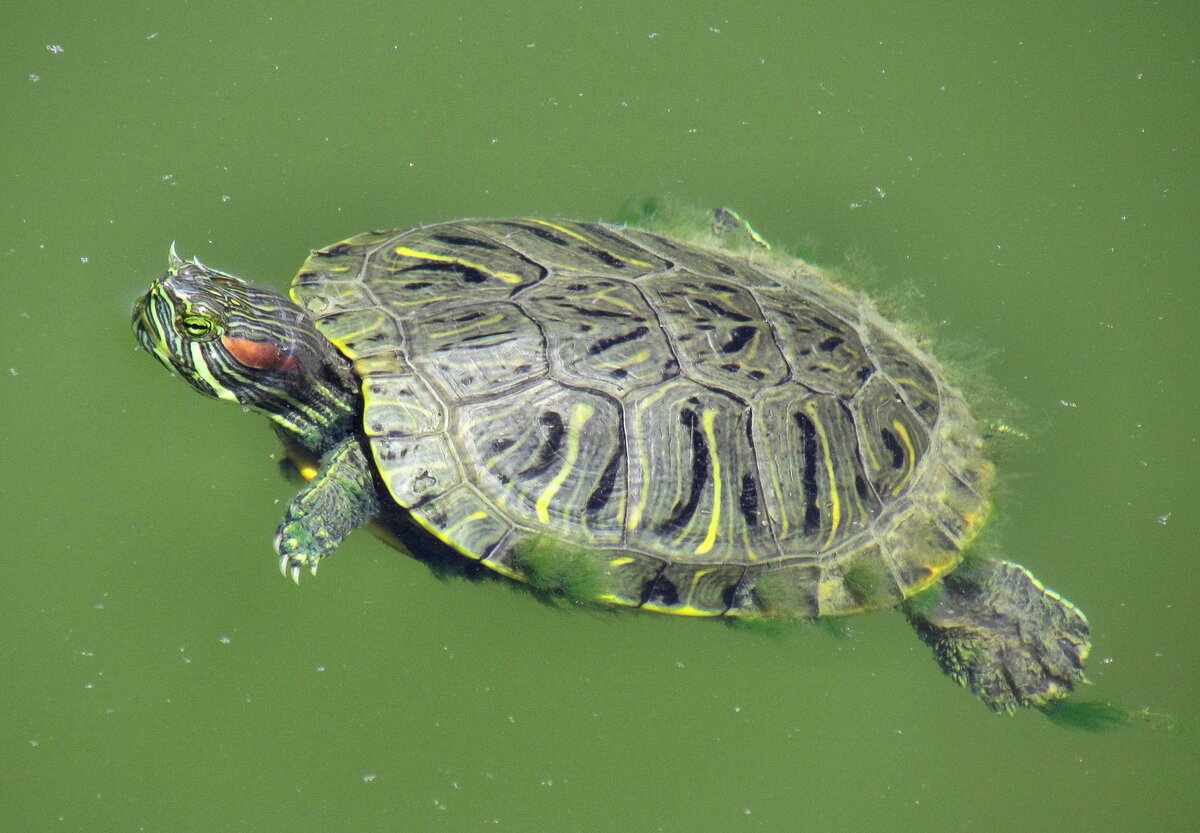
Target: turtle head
{"x":234,"y":341}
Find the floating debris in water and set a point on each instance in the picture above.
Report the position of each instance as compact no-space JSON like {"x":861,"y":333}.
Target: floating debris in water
{"x":56,"y":48}
{"x":1162,"y":519}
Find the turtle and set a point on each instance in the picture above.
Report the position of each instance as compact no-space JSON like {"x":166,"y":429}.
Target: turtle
{"x":682,"y":423}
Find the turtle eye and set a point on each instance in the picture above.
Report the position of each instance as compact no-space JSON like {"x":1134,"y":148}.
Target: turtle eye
{"x":198,"y":327}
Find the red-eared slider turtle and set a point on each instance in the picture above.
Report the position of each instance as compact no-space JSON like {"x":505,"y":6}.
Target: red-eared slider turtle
{"x":702,"y":430}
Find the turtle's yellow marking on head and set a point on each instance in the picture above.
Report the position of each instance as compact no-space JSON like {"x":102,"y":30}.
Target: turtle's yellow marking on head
{"x":200,"y":365}
{"x":505,"y":277}
{"x":580,"y":414}
{"x":714,"y":523}
{"x":592,"y":243}
{"x":835,"y":502}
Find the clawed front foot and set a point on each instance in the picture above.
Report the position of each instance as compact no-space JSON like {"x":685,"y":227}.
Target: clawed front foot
{"x":299,"y":549}
{"x":340,"y":499}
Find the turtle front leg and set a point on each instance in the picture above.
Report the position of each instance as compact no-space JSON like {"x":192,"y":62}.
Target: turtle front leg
{"x":339,"y":499}
{"x":997,"y":630}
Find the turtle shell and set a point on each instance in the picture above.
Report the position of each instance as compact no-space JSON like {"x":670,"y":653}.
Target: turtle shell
{"x":729,"y":434}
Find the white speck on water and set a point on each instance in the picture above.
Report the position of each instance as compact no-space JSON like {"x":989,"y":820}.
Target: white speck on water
{"x":89,"y":685}
{"x":1107,"y":661}
{"x":56,"y":48}
{"x":169,"y":178}
{"x":1066,"y":403}
{"x":369,"y":777}
{"x":34,"y":742}
{"x":320,"y":668}
{"x":880,"y":192}
{"x":224,"y":640}
{"x":746,"y":811}
{"x":547,"y":782}
{"x":714,"y":30}
{"x":83,"y":259}
{"x":99,"y":605}
{"x":152,"y":36}
{"x":737,"y":709}
{"x":1162,"y":519}
{"x":34,"y":77}
{"x":87,"y":653}
{"x":225,"y":198}
{"x":652,"y":35}
{"x":855,"y":205}
{"x":13,"y":371}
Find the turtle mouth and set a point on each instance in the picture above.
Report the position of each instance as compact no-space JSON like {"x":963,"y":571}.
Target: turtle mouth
{"x":151,"y":315}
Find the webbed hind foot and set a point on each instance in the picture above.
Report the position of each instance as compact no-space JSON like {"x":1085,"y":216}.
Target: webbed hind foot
{"x":1004,"y":635}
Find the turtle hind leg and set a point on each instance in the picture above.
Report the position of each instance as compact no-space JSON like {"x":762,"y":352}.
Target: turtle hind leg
{"x":1000,"y":632}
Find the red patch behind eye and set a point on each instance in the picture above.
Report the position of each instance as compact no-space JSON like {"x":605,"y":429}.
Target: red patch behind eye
{"x":260,"y":355}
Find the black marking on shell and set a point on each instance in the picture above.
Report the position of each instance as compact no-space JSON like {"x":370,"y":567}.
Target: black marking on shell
{"x":724,"y":312}
{"x":864,"y":491}
{"x":552,"y":424}
{"x":468,"y":273}
{"x":683,"y":512}
{"x":604,"y":257}
{"x":600,"y":496}
{"x":544,"y":234}
{"x":603,"y":344}
{"x":456,"y":240}
{"x":893,"y":445}
{"x":830,"y":344}
{"x":748,"y":502}
{"x":661,"y":591}
{"x":812,"y":512}
{"x":335,"y":251}
{"x":738,"y":339}
{"x":598,"y":313}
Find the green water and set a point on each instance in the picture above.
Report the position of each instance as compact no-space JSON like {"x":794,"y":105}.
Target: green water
{"x":1030,"y":175}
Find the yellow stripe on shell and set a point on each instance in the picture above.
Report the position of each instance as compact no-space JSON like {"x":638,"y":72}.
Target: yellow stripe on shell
{"x":591,"y":243}
{"x":910,"y":456}
{"x":635,"y":514}
{"x":506,"y":277}
{"x":495,"y":319}
{"x":466,"y":519}
{"x":835,"y":508}
{"x":581,"y":413}
{"x":714,"y":523}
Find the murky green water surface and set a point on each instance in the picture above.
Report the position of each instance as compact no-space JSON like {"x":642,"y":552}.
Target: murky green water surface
{"x":1029,"y":175}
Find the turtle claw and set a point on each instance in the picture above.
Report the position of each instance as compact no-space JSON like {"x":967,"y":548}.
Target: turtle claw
{"x":290,"y":566}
